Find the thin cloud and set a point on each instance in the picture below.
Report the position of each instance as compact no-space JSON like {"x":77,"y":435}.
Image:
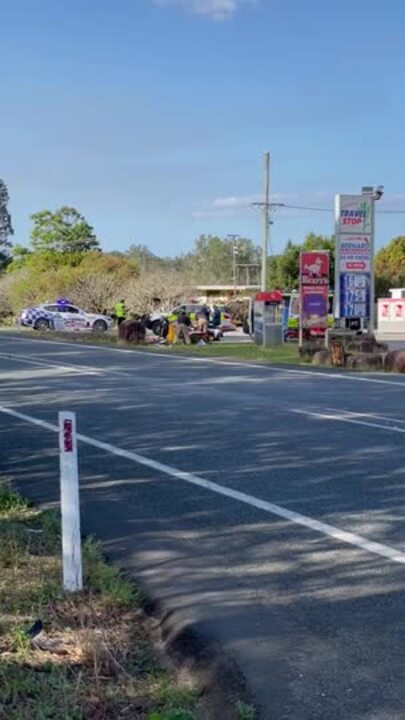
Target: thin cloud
{"x":213,"y":9}
{"x":234,"y":202}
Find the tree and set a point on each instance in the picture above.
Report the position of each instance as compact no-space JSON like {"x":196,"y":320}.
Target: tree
{"x":144,"y":257}
{"x":159,"y":287}
{"x":211,"y":260}
{"x":283,"y":270}
{"x":390,"y":266}
{"x":63,"y":231}
{"x":6,"y":228}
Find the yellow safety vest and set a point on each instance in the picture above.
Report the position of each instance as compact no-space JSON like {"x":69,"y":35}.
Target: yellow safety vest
{"x":120,"y":310}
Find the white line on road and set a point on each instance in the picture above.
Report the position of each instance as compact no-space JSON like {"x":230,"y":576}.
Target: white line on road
{"x":81,"y":369}
{"x":361,"y":415}
{"x":346,"y":416}
{"x":78,"y":369}
{"x":216,"y":361}
{"x":320,"y":527}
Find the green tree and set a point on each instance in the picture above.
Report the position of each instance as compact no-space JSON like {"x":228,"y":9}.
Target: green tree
{"x":390,"y":266}
{"x":211,"y":260}
{"x":283,"y":271}
{"x":20,"y":255}
{"x":63,"y":231}
{"x":144,"y":257}
{"x":6,"y":228}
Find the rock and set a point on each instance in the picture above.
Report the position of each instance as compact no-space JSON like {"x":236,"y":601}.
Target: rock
{"x":132,"y":331}
{"x":309,"y":348}
{"x":364,"y":361}
{"x":395,"y":361}
{"x":322,"y":357}
{"x":362,"y":344}
{"x":337,"y":353}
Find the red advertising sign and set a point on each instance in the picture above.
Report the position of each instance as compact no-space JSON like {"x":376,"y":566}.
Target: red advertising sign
{"x":314,"y":289}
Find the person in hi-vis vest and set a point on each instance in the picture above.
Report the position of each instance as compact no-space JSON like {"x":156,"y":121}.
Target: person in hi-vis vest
{"x":120,"y":312}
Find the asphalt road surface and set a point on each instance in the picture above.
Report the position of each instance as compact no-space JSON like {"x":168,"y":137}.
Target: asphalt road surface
{"x":266,"y":506}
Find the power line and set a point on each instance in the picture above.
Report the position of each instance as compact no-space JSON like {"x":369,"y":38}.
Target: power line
{"x":303,"y":207}
{"x":329,"y":210}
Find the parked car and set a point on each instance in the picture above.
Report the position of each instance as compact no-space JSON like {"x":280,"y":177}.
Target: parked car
{"x":51,"y":316}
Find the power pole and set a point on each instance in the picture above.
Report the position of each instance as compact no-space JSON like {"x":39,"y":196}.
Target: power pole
{"x":266,"y":219}
{"x":233,"y":237}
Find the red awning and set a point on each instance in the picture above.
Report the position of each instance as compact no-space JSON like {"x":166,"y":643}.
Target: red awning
{"x":274,"y":296}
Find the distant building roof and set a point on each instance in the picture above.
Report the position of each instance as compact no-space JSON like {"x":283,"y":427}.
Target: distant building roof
{"x":228,"y":287}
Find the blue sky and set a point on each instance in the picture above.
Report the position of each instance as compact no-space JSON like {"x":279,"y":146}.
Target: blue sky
{"x":152,"y":116}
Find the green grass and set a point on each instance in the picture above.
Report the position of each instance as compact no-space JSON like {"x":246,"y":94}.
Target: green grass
{"x":245,"y":351}
{"x":246,"y":712}
{"x":286,"y":353}
{"x":96,"y":659}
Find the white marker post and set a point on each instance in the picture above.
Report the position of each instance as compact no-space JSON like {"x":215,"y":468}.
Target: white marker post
{"x":70,"y":504}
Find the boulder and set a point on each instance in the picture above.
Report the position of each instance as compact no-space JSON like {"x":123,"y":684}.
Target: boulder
{"x":364,"y":361}
{"x":337,"y":353}
{"x":322,"y":357}
{"x":365,"y":343}
{"x":132,"y":331}
{"x":309,"y":348}
{"x":395,"y":361}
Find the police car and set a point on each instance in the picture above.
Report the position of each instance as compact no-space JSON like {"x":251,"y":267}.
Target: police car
{"x":61,"y":315}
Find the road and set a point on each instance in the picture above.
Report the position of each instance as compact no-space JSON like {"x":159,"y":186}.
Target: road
{"x":265,"y":506}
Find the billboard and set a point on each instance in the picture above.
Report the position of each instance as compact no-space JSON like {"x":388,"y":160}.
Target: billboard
{"x":314,"y":289}
{"x":354,"y":223}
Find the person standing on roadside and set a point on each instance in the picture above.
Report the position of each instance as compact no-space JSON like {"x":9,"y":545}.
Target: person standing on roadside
{"x":216,"y":316}
{"x":120,"y":312}
{"x":182,"y":327}
{"x":202,"y":319}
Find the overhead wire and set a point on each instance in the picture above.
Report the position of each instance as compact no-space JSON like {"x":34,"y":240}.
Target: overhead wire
{"x":329,"y":210}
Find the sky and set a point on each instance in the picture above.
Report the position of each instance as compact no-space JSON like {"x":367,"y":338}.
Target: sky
{"x":151,"y":117}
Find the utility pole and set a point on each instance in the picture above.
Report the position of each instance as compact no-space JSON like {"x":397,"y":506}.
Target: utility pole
{"x":375,"y":194}
{"x":266,"y":219}
{"x":233,"y":237}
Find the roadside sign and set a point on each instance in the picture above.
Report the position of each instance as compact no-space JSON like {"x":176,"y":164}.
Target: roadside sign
{"x":355,"y":253}
{"x":354,"y":231}
{"x":314,"y":289}
{"x":355,"y":214}
{"x":355,"y":295}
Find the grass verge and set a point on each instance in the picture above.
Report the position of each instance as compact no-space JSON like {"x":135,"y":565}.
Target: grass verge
{"x":93,"y":658}
{"x":286,"y":353}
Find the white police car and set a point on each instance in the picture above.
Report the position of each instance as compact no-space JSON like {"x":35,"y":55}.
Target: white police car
{"x":61,"y":315}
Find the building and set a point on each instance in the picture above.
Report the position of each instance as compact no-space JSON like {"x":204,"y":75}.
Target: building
{"x":391,"y":313}
{"x":221,"y":294}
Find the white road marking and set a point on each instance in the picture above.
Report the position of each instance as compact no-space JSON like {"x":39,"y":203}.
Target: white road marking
{"x":371,"y":416}
{"x":219,"y":361}
{"x":348,"y":418}
{"x":331,"y":531}
{"x":80,"y":369}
